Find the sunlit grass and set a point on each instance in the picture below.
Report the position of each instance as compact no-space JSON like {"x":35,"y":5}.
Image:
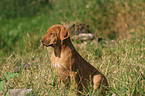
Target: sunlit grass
{"x":122,"y":64}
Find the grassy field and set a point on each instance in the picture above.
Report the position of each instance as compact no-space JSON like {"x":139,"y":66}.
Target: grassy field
{"x":123,"y":63}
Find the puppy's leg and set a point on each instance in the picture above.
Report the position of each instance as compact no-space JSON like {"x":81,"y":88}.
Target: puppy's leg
{"x":99,"y":80}
{"x":79,"y":84}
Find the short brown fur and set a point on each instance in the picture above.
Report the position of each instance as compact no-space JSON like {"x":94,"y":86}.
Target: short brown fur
{"x":69,"y":62}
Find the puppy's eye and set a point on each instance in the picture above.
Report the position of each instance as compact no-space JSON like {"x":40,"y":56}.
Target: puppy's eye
{"x":51,"y":33}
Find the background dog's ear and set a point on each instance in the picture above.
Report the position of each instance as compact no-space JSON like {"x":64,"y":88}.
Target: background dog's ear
{"x":64,"y":34}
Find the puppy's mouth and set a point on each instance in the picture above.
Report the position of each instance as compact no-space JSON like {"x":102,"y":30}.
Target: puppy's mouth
{"x":47,"y":45}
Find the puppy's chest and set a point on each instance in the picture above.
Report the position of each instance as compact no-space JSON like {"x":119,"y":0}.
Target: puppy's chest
{"x":61,"y":63}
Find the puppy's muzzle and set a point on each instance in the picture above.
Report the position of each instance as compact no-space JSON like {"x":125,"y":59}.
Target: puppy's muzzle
{"x":44,"y":44}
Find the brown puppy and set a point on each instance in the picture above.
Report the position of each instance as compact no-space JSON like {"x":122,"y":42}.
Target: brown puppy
{"x":68,"y":61}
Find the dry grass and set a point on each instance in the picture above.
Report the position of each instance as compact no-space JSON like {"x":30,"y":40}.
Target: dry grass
{"x":123,"y":65}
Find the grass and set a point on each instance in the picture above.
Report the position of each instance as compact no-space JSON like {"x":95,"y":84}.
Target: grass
{"x":122,"y":64}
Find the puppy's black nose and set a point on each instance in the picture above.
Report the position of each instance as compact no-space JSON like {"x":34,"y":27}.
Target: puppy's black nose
{"x":42,"y":40}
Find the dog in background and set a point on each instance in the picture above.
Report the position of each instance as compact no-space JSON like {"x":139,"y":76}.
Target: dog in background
{"x":68,"y":61}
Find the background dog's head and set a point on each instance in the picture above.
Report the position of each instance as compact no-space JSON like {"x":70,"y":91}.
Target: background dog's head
{"x":56,"y":34}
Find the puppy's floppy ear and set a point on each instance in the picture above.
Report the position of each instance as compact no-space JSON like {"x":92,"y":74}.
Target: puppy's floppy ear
{"x":64,"y":34}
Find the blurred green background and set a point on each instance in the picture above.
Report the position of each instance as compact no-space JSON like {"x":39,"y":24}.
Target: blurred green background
{"x":24,"y":22}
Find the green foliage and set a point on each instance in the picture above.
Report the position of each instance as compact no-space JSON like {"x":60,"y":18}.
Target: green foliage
{"x":7,"y":76}
{"x":108,"y":19}
{"x":10,"y":39}
{"x":2,"y":85}
{"x":21,"y":8}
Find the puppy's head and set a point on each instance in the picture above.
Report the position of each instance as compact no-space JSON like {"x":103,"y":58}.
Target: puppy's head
{"x":55,"y":36}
